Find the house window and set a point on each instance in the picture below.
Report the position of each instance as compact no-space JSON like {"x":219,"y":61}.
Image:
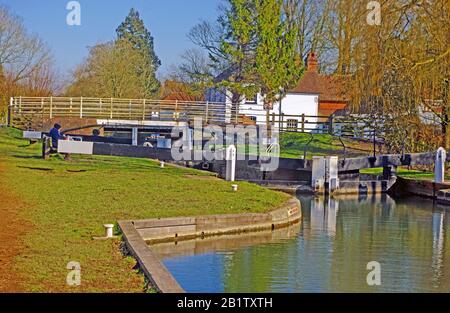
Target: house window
{"x":292,"y":125}
{"x":254,"y":100}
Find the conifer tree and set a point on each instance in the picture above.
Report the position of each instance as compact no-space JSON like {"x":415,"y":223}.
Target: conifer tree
{"x":134,"y":31}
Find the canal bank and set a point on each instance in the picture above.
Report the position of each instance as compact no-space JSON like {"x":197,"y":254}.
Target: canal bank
{"x":137,"y":234}
{"x":423,"y":188}
{"x":72,"y":200}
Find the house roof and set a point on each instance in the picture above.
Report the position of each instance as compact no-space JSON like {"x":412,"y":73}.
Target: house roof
{"x":329,"y":88}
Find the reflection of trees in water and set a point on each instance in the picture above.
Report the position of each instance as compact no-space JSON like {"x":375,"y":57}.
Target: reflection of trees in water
{"x":339,"y":237}
{"x":256,"y":268}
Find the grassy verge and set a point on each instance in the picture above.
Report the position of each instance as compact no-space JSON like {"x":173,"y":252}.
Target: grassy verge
{"x":405,"y":173}
{"x":293,"y":145}
{"x":66,"y":204}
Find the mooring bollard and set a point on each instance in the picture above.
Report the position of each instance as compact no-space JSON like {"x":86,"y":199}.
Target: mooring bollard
{"x":109,"y":230}
{"x":439,"y":165}
{"x":234,"y":187}
{"x":231,"y":163}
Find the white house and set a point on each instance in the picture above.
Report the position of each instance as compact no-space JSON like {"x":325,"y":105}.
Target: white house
{"x":316,"y":96}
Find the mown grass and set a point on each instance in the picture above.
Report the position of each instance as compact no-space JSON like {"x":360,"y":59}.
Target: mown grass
{"x":65,"y":204}
{"x":405,"y":173}
{"x":293,"y":145}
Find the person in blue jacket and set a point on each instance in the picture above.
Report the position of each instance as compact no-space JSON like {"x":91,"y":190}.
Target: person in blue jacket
{"x":56,"y":135}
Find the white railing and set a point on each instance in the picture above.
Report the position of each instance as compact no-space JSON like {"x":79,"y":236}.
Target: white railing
{"x":126,"y":109}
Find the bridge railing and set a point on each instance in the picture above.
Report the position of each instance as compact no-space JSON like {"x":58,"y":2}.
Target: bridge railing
{"x":127,"y":109}
{"x":44,"y":108}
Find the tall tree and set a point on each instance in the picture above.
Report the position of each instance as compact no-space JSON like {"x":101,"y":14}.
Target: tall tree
{"x":109,"y":71}
{"x":26,"y":65}
{"x":134,"y":31}
{"x":238,"y":48}
{"x":278,"y":62}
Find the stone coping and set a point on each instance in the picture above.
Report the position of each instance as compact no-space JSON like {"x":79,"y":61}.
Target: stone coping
{"x":137,"y":234}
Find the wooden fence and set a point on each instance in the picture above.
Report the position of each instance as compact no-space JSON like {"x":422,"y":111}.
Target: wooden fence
{"x":44,"y":108}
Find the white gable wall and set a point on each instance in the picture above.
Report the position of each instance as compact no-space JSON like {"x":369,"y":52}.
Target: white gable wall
{"x":298,"y":104}
{"x":292,"y":104}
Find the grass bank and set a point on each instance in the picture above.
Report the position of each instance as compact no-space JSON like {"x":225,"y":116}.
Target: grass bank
{"x":65,"y":203}
{"x":405,"y":173}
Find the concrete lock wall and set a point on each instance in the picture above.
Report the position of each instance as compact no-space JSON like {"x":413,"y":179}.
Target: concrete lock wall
{"x":136,"y":233}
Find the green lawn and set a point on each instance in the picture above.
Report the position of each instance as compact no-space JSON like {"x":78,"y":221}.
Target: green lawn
{"x":405,"y":173}
{"x":65,"y":204}
{"x":293,"y":145}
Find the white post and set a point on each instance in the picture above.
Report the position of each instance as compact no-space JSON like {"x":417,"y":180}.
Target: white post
{"x":51,"y":107}
{"x":439,"y":165}
{"x":318,"y":173}
{"x":81,"y":107}
{"x":109,"y":230}
{"x":134,"y":136}
{"x":111,"y":113}
{"x":332,"y":173}
{"x":143,"y":111}
{"x":231,"y":163}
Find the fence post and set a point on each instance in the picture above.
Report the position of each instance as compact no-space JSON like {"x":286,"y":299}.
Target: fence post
{"x":20,"y":104}
{"x":176,"y":110}
{"x":303,"y":122}
{"x":8,"y":117}
{"x":81,"y":107}
{"x":71,"y":103}
{"x":206,"y":112}
{"x":42,"y":110}
{"x":330,"y":125}
{"x":51,"y":107}
{"x":143,"y":110}
{"x":111,"y":113}
{"x":130,"y":110}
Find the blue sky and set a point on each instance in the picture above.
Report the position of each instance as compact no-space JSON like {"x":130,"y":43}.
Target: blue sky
{"x":169,"y":21}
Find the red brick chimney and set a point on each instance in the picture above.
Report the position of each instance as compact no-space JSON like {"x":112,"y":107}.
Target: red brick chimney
{"x":312,"y":64}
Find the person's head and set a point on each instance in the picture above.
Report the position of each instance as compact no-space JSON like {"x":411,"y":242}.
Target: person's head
{"x":57,"y":126}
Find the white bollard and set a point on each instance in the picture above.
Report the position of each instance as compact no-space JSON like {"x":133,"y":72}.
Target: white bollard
{"x":109,"y":230}
{"x":318,"y":173}
{"x":134,"y":136}
{"x":162,"y":164}
{"x":231,"y":163}
{"x":234,"y":187}
{"x":439,"y":165}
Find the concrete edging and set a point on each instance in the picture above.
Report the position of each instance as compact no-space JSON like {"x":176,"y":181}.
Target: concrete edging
{"x":136,"y":234}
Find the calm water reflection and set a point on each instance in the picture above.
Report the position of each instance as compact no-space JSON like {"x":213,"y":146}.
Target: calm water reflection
{"x":329,"y":252}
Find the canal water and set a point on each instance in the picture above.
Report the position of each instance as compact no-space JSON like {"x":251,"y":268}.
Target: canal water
{"x":328,"y":252}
